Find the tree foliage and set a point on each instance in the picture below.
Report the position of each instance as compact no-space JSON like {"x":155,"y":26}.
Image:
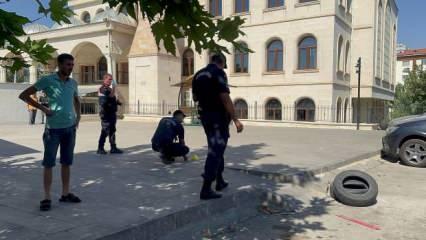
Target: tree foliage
{"x":410,"y":97}
{"x":169,"y":19}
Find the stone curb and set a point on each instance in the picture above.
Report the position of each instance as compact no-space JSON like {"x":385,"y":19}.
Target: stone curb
{"x":303,"y":177}
{"x":237,"y":203}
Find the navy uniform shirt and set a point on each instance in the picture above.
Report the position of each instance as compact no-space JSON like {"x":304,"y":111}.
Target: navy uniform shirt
{"x":167,"y":131}
{"x":108,"y":104}
{"x":207,"y":86}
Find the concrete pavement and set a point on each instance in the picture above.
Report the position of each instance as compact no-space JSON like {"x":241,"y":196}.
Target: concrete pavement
{"x":123,"y":193}
{"x":400,"y":211}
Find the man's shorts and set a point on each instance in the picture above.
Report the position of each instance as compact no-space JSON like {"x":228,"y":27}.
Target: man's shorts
{"x":55,"y":138}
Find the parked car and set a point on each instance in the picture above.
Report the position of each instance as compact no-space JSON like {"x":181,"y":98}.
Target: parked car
{"x":406,"y":138}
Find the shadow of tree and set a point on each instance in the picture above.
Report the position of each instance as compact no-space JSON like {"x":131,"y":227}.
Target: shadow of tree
{"x":10,"y":149}
{"x":136,"y":187}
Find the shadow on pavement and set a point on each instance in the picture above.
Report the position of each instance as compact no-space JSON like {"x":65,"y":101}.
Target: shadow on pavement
{"x":119,"y":191}
{"x":9,"y":149}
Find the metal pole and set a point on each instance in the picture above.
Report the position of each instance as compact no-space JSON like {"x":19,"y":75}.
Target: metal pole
{"x":138,"y":107}
{"x":358,"y":120}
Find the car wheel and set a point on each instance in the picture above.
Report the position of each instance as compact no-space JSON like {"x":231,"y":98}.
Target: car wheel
{"x":355,"y":188}
{"x":413,"y":153}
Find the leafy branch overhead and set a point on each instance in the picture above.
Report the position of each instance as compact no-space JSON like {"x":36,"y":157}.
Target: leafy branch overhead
{"x":12,"y":35}
{"x":173,"y":19}
{"x":169,"y":20}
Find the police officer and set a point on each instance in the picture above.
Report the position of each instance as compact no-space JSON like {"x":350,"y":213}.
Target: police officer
{"x":211,"y":91}
{"x":164,"y":141}
{"x":108,"y":104}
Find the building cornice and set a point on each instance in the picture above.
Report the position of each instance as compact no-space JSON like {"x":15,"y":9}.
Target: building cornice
{"x":361,"y":27}
{"x":288,"y":84}
{"x":77,"y":4}
{"x":295,"y":19}
{"x":88,"y":28}
{"x":154,"y":55}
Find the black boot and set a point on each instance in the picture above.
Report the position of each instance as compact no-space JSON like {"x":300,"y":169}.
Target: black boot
{"x":166,"y":159}
{"x":221,"y":183}
{"x":207,"y":193}
{"x":101,"y":151}
{"x":115,"y":150}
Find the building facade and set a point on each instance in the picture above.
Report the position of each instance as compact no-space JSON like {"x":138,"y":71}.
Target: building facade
{"x":302,"y":67}
{"x":408,"y":60}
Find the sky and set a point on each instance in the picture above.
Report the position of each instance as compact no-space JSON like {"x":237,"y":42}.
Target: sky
{"x":411,"y":26}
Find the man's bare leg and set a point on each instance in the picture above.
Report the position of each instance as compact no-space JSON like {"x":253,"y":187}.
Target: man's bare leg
{"x":47,"y":181}
{"x":65,"y":173}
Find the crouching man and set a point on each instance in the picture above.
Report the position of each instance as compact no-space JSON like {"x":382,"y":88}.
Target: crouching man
{"x":169,"y":138}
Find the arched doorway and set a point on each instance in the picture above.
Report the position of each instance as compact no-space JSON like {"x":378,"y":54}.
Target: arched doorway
{"x":345,"y":113}
{"x":241,"y":109}
{"x":273,"y":110}
{"x":90,"y":64}
{"x":339,"y":110}
{"x":305,"y":110}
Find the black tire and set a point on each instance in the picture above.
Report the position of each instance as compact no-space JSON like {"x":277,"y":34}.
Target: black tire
{"x":355,"y":188}
{"x":412,"y":153}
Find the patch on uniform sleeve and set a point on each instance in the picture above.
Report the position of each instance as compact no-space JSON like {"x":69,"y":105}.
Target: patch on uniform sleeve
{"x":204,"y":74}
{"x":222,"y":80}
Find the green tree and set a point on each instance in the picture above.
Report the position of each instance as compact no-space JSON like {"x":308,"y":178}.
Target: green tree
{"x":169,"y":19}
{"x":410,"y":97}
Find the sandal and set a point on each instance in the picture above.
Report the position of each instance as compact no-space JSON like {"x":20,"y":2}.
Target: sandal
{"x":45,"y":205}
{"x":70,"y":198}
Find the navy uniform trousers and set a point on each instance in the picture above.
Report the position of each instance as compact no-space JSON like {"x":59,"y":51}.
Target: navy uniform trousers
{"x":108,"y":124}
{"x":216,"y":127}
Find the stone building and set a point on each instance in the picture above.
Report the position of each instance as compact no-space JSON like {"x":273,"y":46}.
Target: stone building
{"x":302,"y":68}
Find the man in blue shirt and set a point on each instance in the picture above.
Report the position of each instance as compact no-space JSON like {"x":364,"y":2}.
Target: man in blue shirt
{"x":170,"y":129}
{"x":63,"y":116}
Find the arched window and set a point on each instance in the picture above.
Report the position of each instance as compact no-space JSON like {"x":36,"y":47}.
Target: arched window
{"x":275,"y":56}
{"x":394,"y":55}
{"x":20,"y":76}
{"x":339,"y":110}
{"x":347,"y":58}
{"x":42,"y":70}
{"x":215,"y":7}
{"x":339,"y":54}
{"x":85,"y":17}
{"x":242,"y":6}
{"x":273,"y":110}
{"x":308,"y":53}
{"x":241,"y":109}
{"x":349,"y":6}
{"x":387,"y":44}
{"x":379,"y":41}
{"x":188,"y":63}
{"x":345,"y":113}
{"x":305,"y":110}
{"x":102,"y":67}
{"x":275,"y":3}
{"x":241,"y":60}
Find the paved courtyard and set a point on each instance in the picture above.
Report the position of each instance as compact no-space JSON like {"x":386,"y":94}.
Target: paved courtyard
{"x":400,"y":211}
{"x":124,"y":191}
{"x":270,"y":149}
